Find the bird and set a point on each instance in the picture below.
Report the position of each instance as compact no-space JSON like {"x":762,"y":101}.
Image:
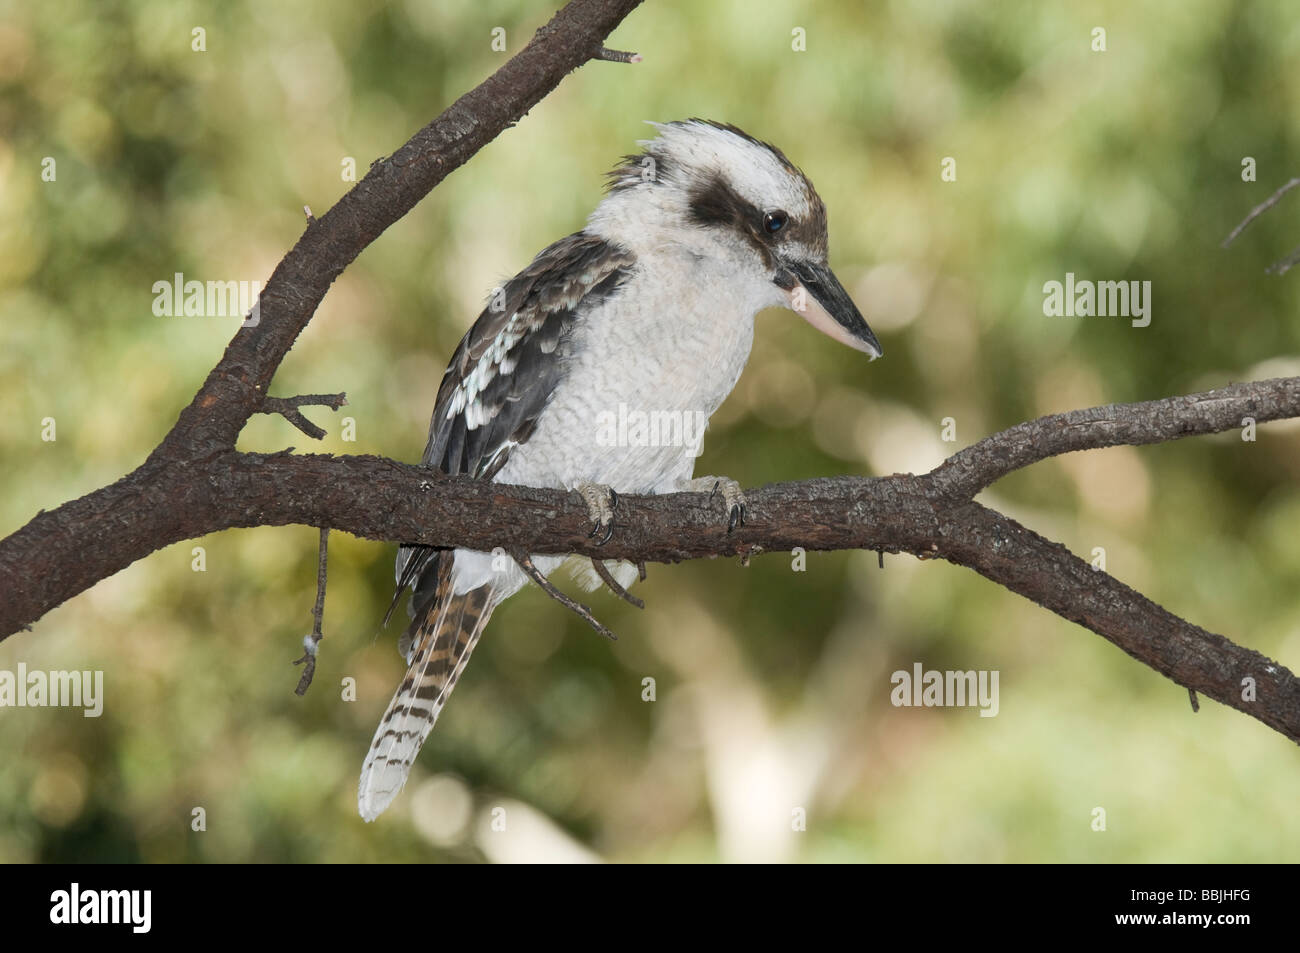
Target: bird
{"x":646,"y":313}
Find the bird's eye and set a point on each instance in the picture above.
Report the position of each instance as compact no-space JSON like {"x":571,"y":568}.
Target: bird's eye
{"x":773,"y":222}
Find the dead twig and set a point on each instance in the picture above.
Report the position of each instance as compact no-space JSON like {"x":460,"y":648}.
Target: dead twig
{"x":287,"y":407}
{"x":1259,"y":210}
{"x":1285,"y":265}
{"x":311,"y":643}
{"x":616,"y":56}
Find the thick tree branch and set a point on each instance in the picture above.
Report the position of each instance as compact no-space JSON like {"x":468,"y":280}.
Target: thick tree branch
{"x":930,"y":516}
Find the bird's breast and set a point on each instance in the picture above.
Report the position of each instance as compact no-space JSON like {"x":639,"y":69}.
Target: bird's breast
{"x":647,"y":368}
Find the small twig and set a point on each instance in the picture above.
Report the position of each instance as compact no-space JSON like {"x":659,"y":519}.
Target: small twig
{"x":287,"y":407}
{"x":307,"y":211}
{"x":318,"y":611}
{"x":608,"y":578}
{"x":526,"y":564}
{"x":1285,"y":265}
{"x":616,"y":56}
{"x":1196,"y":705}
{"x":1259,"y":210}
{"x":640,"y":570}
{"x":880,"y":558}
{"x":311,"y":642}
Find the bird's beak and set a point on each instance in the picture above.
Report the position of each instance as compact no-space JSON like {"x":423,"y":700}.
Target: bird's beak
{"x":817,"y":295}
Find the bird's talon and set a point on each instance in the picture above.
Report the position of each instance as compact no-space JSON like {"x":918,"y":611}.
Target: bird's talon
{"x":601,"y":501}
{"x":737,"y":516}
{"x":735,"y":506}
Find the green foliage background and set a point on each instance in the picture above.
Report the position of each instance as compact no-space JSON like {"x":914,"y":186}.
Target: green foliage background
{"x":772,"y":685}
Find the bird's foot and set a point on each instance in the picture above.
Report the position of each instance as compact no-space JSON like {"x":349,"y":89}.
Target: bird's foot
{"x":601,"y":502}
{"x":735,"y":505}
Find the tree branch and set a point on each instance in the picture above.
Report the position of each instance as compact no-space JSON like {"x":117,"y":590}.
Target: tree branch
{"x":1284,"y":265}
{"x":1291,"y":260}
{"x":236,"y":387}
{"x":195,"y":482}
{"x":1259,"y":210}
{"x":970,"y":470}
{"x":287,"y":407}
{"x":930,"y":516}
{"x":311,"y":643}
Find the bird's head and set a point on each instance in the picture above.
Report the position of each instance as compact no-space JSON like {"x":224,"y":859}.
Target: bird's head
{"x":721,"y":194}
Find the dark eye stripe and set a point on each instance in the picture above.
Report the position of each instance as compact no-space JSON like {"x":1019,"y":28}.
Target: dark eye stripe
{"x":714,"y":203}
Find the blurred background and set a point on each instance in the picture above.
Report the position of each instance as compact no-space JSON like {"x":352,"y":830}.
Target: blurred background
{"x":771,"y":686}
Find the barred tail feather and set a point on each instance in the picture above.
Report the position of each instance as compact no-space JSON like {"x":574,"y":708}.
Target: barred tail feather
{"x":442,"y":643}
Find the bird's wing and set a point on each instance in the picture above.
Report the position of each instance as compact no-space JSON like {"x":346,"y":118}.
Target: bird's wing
{"x":506,"y":368}
{"x":505,"y":372}
{"x":501,"y":379}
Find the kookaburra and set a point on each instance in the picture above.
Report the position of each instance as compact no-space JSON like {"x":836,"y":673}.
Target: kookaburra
{"x":649,"y":308}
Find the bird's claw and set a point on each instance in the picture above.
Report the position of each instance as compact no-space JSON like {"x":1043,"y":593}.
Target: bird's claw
{"x":734,"y":499}
{"x":737,"y":517}
{"x":601,"y":502}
